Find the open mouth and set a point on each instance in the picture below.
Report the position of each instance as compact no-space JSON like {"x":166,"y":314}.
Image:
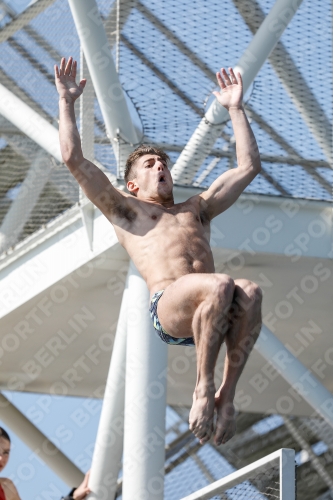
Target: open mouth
{"x":161,"y":179}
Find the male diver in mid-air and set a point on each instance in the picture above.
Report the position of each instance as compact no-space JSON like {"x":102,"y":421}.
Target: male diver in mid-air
{"x":169,"y":244}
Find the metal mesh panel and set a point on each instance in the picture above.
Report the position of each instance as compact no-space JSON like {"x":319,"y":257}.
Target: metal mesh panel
{"x":192,"y":475}
{"x":190,"y":467}
{"x":167,"y":55}
{"x":174,"y":50}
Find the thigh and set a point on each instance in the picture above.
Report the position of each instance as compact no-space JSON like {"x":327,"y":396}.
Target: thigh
{"x":180,"y":300}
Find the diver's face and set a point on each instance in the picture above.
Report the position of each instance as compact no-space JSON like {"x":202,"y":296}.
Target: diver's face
{"x":4,"y":452}
{"x":152,"y":177}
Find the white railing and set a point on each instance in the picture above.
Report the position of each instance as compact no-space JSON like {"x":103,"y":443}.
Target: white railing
{"x":284,"y":459}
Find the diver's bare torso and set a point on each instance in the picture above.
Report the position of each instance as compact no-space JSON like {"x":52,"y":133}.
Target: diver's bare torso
{"x":165,"y":243}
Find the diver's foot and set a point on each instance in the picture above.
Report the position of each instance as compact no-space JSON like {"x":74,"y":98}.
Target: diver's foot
{"x":226,"y":419}
{"x":201,"y":417}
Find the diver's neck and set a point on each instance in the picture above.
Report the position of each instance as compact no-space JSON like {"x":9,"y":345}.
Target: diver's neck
{"x":157,"y":200}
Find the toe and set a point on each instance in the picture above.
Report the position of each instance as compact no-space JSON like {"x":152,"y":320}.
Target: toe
{"x":219,"y":439}
{"x":220,"y":433}
{"x":199,"y":433}
{"x":231,"y":432}
{"x":205,"y":439}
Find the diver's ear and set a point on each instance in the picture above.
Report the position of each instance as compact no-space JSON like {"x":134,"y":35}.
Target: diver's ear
{"x":133,"y":187}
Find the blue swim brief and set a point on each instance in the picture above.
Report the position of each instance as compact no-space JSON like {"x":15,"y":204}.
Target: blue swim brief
{"x":158,"y":327}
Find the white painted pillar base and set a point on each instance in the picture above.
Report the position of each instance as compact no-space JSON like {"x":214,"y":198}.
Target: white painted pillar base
{"x":145,"y":399}
{"x":108,"y":450}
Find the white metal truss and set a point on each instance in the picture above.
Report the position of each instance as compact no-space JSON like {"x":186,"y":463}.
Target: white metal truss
{"x":39,"y":443}
{"x":87,"y":125}
{"x":106,"y":461}
{"x":296,"y":374}
{"x":316,"y":463}
{"x":183,"y":48}
{"x":293,"y":81}
{"x":109,"y":92}
{"x":210,"y":127}
{"x":112,"y":27}
{"x":29,"y":122}
{"x":19,"y":22}
{"x":145,"y":398}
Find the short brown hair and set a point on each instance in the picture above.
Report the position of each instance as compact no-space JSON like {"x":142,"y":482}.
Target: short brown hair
{"x":4,"y":434}
{"x":143,"y":149}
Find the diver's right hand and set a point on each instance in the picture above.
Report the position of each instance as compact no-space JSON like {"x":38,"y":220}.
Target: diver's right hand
{"x":65,"y":80}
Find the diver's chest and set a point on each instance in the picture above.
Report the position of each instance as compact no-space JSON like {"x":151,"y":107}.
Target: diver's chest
{"x":184,"y":219}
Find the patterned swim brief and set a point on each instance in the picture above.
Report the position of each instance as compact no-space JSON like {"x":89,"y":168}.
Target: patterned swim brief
{"x":158,"y":327}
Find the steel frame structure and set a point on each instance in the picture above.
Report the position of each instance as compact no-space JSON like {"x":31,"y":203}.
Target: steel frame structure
{"x":120,"y":127}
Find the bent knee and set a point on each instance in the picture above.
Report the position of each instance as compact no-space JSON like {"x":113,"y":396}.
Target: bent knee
{"x":252,"y":290}
{"x":224,"y":286}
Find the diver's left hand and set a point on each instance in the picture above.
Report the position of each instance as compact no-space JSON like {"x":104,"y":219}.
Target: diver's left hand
{"x":231,"y":93}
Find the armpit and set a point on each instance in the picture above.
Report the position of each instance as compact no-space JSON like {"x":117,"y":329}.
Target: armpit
{"x":204,"y":217}
{"x":124,"y":212}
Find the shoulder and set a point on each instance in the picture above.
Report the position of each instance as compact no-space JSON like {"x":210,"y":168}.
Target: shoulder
{"x":5,"y":481}
{"x":9,"y":489}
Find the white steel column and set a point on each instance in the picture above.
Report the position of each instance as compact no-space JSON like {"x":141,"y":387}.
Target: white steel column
{"x":39,"y":443}
{"x":210,"y":127}
{"x":296,"y":374}
{"x":87,"y":133}
{"x":102,"y":69}
{"x":106,"y":462}
{"x":87,"y":114}
{"x":287,"y":474}
{"x":145,"y":399}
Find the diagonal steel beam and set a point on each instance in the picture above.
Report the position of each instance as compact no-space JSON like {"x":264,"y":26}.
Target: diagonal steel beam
{"x":176,"y":41}
{"x":292,"y":80}
{"x":209,"y":129}
{"x":315,"y":461}
{"x":310,"y":168}
{"x":40,"y":40}
{"x":161,"y":75}
{"x":116,"y":21}
{"x":296,"y":374}
{"x":39,"y":443}
{"x":32,"y":60}
{"x":9,"y":83}
{"x":164,"y":78}
{"x":37,"y":37}
{"x":60,"y":179}
{"x":218,"y":153}
{"x":30,"y":122}
{"x":211,"y":75}
{"x":24,"y":18}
